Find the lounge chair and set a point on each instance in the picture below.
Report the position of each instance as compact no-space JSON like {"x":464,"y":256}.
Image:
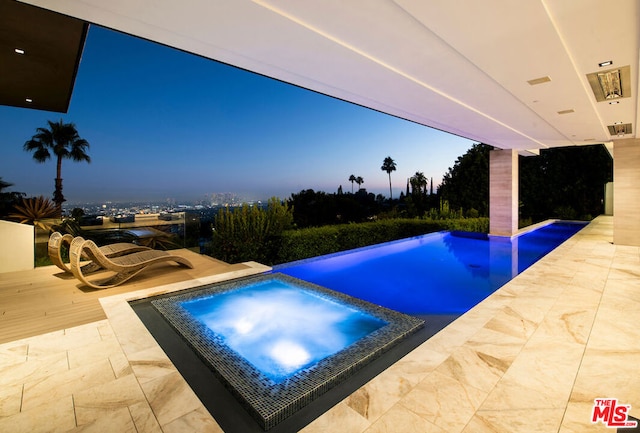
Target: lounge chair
{"x":123,"y":267}
{"x":58,"y":240}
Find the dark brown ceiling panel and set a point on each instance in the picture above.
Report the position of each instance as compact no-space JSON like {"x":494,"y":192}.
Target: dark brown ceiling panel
{"x":43,"y":76}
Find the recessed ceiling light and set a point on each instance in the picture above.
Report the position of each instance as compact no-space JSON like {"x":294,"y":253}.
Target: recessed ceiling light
{"x":29,"y":100}
{"x":18,"y":50}
{"x":607,"y":63}
{"x":613,"y":102}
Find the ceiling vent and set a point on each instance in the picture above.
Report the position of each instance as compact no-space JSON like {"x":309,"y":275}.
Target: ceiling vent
{"x":611,"y":84}
{"x":620,"y":129}
{"x":539,"y":80}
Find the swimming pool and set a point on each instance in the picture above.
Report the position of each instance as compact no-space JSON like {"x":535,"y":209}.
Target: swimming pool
{"x":438,"y":273}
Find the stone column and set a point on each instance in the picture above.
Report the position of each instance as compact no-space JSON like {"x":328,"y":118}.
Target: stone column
{"x":626,"y":192}
{"x":503,"y":192}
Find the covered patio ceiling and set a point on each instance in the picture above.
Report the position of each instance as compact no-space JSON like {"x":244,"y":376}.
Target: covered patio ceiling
{"x":514,"y":75}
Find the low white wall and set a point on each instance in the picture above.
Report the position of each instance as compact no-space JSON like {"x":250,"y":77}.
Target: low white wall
{"x":16,"y":246}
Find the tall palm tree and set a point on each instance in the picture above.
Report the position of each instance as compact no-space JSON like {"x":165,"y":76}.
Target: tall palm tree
{"x":63,"y":141}
{"x":352,"y":179}
{"x":389,"y":165}
{"x":359,"y":181}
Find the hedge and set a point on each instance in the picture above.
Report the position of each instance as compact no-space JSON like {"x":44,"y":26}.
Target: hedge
{"x":315,"y":241}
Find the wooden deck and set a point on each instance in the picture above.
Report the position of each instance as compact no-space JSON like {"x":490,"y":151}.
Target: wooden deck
{"x":46,"y":299}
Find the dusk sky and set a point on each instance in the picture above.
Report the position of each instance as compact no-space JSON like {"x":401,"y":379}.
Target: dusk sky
{"x":166,"y":124}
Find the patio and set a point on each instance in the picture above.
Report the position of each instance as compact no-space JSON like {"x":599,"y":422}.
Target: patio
{"x":530,"y":358}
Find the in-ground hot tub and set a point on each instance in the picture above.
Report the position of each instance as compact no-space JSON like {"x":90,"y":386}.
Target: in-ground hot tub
{"x":277,"y":342}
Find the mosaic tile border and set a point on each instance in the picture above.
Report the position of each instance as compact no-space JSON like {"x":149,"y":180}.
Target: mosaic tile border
{"x":267,"y":402}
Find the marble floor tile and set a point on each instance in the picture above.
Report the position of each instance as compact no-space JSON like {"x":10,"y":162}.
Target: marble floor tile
{"x":144,"y":419}
{"x":198,"y":420}
{"x":541,"y":377}
{"x":120,"y":365}
{"x":55,"y":415}
{"x":401,"y":419}
{"x":339,"y":415}
{"x":10,"y":399}
{"x":577,"y":419}
{"x":71,"y":339}
{"x":150,"y":364}
{"x":621,"y":293}
{"x":616,"y":327}
{"x":170,"y":397}
{"x":444,"y":401}
{"x":13,"y":354}
{"x":63,"y":384}
{"x":92,"y":352}
{"x":458,"y":332}
{"x":509,"y":322}
{"x":99,"y":401}
{"x":33,"y":369}
{"x":476,"y":368}
{"x":515,"y":421}
{"x":606,"y":374}
{"x":380,"y":393}
{"x":117,"y":420}
{"x":583,"y":292}
{"x":417,"y":364}
{"x":566,"y":324}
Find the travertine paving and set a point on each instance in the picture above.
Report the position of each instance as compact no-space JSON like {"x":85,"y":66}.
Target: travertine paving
{"x":530,"y":358}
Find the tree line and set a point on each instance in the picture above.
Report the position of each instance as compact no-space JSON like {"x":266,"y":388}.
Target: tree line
{"x":565,"y":182}
{"x":562,"y":182}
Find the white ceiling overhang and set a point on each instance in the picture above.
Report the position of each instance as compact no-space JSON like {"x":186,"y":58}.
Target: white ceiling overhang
{"x":458,"y":66}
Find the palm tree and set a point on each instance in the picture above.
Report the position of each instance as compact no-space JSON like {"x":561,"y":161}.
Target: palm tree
{"x":418,"y":183}
{"x":359,"y":181}
{"x":389,"y":165}
{"x":352,"y":179}
{"x":63,"y":141}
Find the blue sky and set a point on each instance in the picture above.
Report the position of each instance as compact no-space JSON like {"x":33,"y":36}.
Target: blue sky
{"x":166,"y":124}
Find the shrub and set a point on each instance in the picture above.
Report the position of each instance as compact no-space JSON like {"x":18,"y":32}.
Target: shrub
{"x":250,"y":232}
{"x":315,"y":241}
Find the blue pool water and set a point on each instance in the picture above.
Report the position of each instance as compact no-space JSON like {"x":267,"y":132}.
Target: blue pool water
{"x":279,"y":328}
{"x":438,"y":273}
